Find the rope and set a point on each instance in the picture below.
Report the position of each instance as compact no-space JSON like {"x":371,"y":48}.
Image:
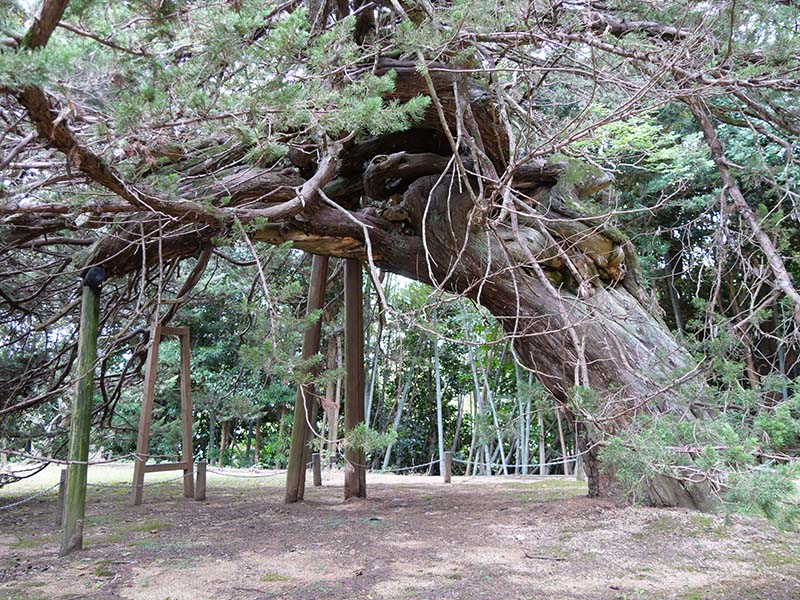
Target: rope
{"x":116,"y":486}
{"x":224,"y":474}
{"x":58,"y":461}
{"x":535,"y":465}
{"x":399,"y":469}
{"x":29,"y":498}
{"x":464,"y":462}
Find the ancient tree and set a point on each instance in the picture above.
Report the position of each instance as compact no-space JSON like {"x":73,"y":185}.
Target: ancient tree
{"x":424,"y":158}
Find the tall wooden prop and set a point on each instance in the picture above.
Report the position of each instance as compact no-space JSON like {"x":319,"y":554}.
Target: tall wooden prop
{"x":355,"y":474}
{"x":304,"y":401}
{"x":146,"y":418}
{"x":75,"y":500}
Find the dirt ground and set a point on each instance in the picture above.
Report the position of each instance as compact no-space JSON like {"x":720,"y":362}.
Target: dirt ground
{"x":414,"y":538}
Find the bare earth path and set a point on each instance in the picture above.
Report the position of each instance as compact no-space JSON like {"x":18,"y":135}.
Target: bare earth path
{"x":414,"y":538}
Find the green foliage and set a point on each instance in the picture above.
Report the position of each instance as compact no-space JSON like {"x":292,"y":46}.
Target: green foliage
{"x":736,"y":456}
{"x":41,"y":67}
{"x":778,"y":427}
{"x":771,"y":491}
{"x":367,"y":440}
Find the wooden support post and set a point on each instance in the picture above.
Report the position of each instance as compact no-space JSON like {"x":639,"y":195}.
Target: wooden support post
{"x":186,"y":415}
{"x":200,"y":487}
{"x":62,"y":492}
{"x":146,"y":417}
{"x":81,"y":421}
{"x":355,"y":474}
{"x":303,"y":405}
{"x":316,"y":468}
{"x":448,"y":466}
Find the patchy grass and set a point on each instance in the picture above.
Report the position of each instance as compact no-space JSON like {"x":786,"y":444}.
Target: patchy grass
{"x":102,"y":540}
{"x":21,"y":594}
{"x":103,"y":571}
{"x":275,"y":578}
{"x":415,"y":537}
{"x":664,"y":525}
{"x":547,"y":490}
{"x":27,"y":543}
{"x":150,"y":526}
{"x":780,"y":555}
{"x":377,"y":522}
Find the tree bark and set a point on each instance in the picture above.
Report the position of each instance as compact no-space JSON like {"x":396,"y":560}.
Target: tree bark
{"x":305,"y":400}
{"x":355,"y":483}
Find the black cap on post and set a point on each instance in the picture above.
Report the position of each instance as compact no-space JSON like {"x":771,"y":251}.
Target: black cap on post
{"x":94,"y":277}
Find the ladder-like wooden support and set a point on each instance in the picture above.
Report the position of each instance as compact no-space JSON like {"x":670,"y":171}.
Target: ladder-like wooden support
{"x":145,"y":420}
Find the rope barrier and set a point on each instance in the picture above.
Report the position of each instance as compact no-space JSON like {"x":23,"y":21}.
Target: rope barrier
{"x":109,"y":486}
{"x":399,"y":469}
{"x":117,"y":486}
{"x":29,"y":498}
{"x":262,"y":476}
{"x":514,"y":466}
{"x":253,"y":476}
{"x":58,"y":461}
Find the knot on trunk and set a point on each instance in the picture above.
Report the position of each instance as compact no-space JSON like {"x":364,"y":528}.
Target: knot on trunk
{"x":554,"y":226}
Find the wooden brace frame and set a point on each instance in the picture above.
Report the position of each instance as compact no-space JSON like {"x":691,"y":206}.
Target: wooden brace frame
{"x":145,"y":420}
